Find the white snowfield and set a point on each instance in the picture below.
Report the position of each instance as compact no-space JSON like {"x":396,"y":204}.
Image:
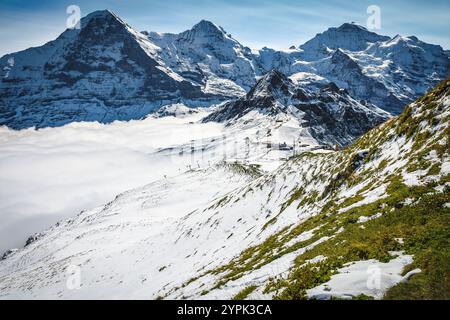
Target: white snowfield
{"x":161,"y":240}
{"x":369,"y":277}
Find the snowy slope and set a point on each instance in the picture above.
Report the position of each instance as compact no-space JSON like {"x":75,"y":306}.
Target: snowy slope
{"x":151,"y":224}
{"x":210,"y":233}
{"x":330,"y":115}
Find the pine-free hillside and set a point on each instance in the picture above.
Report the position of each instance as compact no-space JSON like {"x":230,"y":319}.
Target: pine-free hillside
{"x":108,"y":71}
{"x":306,"y":230}
{"x":383,"y":200}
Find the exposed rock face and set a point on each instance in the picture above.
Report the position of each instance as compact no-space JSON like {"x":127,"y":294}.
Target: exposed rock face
{"x":103,"y":72}
{"x":330,"y":114}
{"x":174,"y":110}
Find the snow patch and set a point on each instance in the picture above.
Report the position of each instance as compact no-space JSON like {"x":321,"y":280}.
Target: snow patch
{"x":371,"y":277}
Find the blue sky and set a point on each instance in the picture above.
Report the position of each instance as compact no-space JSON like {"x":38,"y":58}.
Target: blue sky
{"x":255,"y":23}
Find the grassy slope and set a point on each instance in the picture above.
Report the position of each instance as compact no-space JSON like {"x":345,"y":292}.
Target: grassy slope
{"x":418,"y":214}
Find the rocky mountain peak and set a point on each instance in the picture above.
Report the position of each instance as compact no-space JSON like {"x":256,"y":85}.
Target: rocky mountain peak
{"x":271,"y":81}
{"x":101,"y":18}
{"x":340,"y":57}
{"x":399,"y":40}
{"x":101,"y":14}
{"x":330,"y":115}
{"x":359,"y":30}
{"x":105,"y":71}
{"x":204,"y":32}
{"x":348,"y":36}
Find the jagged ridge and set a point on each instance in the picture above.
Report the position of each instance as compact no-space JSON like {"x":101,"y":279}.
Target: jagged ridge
{"x":330,"y":114}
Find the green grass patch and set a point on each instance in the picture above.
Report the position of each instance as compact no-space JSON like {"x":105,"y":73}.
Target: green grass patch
{"x":244,"y":293}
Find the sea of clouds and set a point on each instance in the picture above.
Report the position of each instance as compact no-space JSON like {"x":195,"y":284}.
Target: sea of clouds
{"x":52,"y":174}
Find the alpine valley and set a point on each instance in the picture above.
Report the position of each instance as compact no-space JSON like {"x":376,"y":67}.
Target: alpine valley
{"x":318,"y":172}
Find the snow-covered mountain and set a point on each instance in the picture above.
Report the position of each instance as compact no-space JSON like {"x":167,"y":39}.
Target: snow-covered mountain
{"x":315,"y":227}
{"x":405,"y":65}
{"x":387,"y":72}
{"x":246,"y":194}
{"x":330,"y":115}
{"x":108,"y":71}
{"x":348,"y":36}
{"x":103,"y":72}
{"x":345,"y":55}
{"x":210,"y":57}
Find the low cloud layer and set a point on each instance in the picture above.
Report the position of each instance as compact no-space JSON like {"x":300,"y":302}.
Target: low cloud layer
{"x":52,"y":174}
